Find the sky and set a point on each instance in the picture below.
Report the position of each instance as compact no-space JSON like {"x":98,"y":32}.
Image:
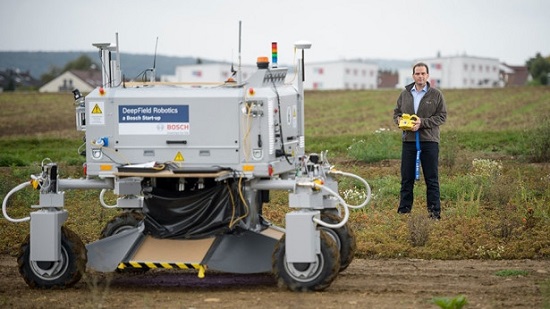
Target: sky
{"x":511,"y":31}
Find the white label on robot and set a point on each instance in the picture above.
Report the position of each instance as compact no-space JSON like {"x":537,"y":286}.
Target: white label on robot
{"x":97,"y":116}
{"x":153,"y":120}
{"x":294,"y":116}
{"x":288,"y":115}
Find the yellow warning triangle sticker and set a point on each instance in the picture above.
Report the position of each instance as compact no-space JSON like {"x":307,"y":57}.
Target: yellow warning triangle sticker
{"x":97,"y":110}
{"x":179,"y":157}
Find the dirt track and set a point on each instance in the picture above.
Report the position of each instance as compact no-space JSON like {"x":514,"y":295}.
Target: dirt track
{"x":401,"y":283}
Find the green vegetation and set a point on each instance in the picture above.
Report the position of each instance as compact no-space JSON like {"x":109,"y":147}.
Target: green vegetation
{"x":494,"y":171}
{"x":511,"y":273}
{"x":83,"y":62}
{"x":539,"y":68}
{"x":450,"y":303}
{"x":545,"y":291}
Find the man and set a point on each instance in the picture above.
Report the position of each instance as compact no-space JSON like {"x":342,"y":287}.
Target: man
{"x":429,"y":105}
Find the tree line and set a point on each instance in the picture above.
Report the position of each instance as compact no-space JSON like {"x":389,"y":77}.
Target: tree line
{"x":538,"y":67}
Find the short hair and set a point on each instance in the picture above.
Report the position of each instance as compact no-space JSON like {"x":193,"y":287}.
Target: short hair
{"x":422,"y":64}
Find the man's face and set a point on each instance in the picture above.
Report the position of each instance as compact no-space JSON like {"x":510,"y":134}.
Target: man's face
{"x":420,"y":76}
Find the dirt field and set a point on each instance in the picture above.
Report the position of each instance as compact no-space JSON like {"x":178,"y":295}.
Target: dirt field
{"x":401,"y":283}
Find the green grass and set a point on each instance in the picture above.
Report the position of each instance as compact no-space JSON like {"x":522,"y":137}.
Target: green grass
{"x":512,"y":273}
{"x":31,"y":151}
{"x":450,"y":303}
{"x":494,"y":171}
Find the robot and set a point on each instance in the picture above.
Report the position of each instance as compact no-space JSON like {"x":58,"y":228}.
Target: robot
{"x":192,"y":167}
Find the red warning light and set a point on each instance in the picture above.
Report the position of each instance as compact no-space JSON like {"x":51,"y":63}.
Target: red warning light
{"x":101,"y":91}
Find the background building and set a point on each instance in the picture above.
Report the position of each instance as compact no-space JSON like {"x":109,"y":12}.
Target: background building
{"x":206,"y":73}
{"x":85,"y":81}
{"x":458,"y":72}
{"x":341,"y":75}
{"x":514,"y":75}
{"x":12,"y":79}
{"x":387,"y":79}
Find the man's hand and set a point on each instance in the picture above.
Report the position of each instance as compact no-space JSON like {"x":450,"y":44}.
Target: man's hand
{"x":416,"y":125}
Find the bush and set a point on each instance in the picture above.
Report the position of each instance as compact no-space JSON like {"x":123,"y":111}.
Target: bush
{"x":539,"y":139}
{"x":419,"y":229}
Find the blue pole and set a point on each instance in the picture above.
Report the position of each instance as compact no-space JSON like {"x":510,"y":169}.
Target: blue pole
{"x":417,"y":171}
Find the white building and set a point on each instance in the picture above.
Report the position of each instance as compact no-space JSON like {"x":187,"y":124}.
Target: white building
{"x":458,"y":72}
{"x":337,"y":75}
{"x":85,"y":81}
{"x":206,"y":73}
{"x":351,"y":75}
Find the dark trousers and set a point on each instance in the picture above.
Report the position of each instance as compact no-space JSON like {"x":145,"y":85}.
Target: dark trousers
{"x":429,"y":158}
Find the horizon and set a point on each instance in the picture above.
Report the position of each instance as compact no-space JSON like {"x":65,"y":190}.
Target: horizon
{"x":511,"y":31}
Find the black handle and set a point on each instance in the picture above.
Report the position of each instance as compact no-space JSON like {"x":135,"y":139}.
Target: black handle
{"x":176,"y":142}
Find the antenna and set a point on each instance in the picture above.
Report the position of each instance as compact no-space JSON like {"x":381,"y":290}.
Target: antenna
{"x":117,"y":53}
{"x":240,"y":75}
{"x":153,"y":77}
{"x":118,"y":71}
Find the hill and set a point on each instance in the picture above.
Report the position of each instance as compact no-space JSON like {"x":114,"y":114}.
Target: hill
{"x":38,"y":63}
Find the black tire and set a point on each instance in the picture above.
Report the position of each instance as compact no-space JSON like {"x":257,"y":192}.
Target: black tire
{"x":305,"y":277}
{"x":344,"y":238}
{"x":122,"y":222}
{"x":54,"y":275}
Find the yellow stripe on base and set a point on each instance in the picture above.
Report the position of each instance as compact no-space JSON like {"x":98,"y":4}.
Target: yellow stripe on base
{"x":153,"y":265}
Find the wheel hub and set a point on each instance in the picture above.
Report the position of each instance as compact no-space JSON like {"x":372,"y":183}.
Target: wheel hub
{"x":50,"y":270}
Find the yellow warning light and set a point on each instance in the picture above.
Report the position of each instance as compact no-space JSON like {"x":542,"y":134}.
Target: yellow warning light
{"x":248,"y":168}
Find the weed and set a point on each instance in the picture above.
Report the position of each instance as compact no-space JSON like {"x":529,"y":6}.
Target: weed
{"x":529,"y":221}
{"x":450,"y":303}
{"x":511,"y":273}
{"x":354,"y":196}
{"x":449,"y":150}
{"x":488,"y":253}
{"x":508,"y":221}
{"x":486,"y":168}
{"x":545,"y":291}
{"x":467,"y":206}
{"x":461,"y":188}
{"x":539,"y":139}
{"x":419,"y":229}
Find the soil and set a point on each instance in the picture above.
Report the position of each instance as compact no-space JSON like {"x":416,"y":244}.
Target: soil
{"x":402,"y":283}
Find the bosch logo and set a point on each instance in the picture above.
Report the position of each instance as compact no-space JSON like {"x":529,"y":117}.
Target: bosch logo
{"x":177,"y":127}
